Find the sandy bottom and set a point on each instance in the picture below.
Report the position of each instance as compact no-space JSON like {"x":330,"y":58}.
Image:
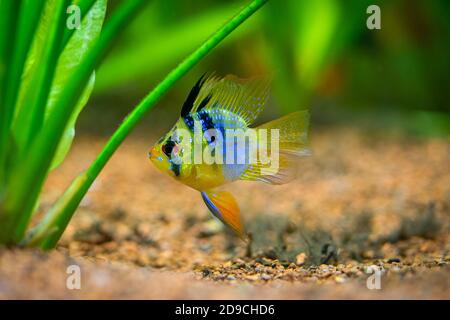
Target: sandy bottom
{"x":359,"y":201}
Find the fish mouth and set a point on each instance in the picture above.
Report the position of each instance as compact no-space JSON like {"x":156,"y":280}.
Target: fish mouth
{"x":158,"y":160}
{"x":152,"y":154}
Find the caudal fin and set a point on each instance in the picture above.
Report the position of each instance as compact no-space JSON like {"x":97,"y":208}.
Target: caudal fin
{"x":292,"y":130}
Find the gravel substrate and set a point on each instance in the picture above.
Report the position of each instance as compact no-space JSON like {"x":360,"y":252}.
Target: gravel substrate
{"x":359,"y":201}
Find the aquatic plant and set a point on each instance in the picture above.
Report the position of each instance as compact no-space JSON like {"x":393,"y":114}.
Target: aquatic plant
{"x":46,"y":77}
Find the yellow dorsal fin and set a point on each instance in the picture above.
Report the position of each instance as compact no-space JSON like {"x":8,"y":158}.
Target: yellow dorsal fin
{"x":245,"y":98}
{"x":224,"y":207}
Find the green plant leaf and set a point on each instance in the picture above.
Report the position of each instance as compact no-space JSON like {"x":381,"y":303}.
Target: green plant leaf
{"x":54,"y":65}
{"x":74,"y":51}
{"x":29,"y":176}
{"x":69,"y":133}
{"x":38,"y":73}
{"x":9,"y":11}
{"x":71,"y":56}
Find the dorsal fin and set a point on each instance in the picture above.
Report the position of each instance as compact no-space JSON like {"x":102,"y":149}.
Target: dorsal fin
{"x":245,"y":98}
{"x":192,"y":96}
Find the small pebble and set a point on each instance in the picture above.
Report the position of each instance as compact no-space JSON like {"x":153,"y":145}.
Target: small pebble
{"x":265,"y":276}
{"x":300,"y":259}
{"x":340,"y":279}
{"x":252,"y":277}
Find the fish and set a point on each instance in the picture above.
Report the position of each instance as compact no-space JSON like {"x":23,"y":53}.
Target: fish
{"x":207,"y":147}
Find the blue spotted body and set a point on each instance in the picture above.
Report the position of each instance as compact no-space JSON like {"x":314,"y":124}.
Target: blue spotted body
{"x":223,"y":120}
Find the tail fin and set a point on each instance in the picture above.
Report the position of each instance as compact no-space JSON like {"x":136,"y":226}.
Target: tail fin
{"x":292,"y":145}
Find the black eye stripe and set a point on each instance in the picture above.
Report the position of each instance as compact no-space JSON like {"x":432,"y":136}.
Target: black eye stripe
{"x":168,"y":147}
{"x":175,"y":168}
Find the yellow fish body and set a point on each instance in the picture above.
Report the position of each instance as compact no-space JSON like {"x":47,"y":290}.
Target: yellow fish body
{"x":207,"y":147}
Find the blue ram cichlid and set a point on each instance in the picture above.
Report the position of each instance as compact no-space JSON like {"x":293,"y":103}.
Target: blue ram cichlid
{"x":216,"y":119}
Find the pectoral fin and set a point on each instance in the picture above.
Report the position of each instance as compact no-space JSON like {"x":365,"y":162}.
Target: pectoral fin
{"x":224,"y":207}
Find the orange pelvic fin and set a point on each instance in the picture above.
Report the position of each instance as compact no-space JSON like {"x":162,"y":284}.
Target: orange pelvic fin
{"x":224,"y":207}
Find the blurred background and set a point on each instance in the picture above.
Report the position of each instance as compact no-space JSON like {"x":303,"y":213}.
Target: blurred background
{"x":320,"y":54}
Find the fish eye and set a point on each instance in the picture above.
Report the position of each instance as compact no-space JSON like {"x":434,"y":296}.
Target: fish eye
{"x":168,"y":147}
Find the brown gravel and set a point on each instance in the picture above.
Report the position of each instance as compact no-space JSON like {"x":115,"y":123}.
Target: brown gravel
{"x":360,"y":200}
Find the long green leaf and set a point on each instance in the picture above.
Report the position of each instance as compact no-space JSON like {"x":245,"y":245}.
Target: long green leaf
{"x":28,"y":19}
{"x":85,"y":7}
{"x":47,"y":233}
{"x":78,"y":43}
{"x":30,"y":117}
{"x":29,"y":178}
{"x":73,"y":54}
{"x":8,"y":19}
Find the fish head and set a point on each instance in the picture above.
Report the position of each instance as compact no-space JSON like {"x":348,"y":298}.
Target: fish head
{"x":158,"y":158}
{"x":165,"y":155}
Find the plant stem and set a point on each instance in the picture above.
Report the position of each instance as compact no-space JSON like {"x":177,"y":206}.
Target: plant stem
{"x":57,"y":218}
